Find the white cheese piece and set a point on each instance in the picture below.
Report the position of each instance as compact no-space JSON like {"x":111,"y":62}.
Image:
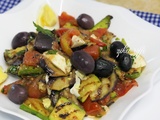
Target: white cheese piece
{"x":93,"y":36}
{"x":46,"y":78}
{"x":139,"y":61}
{"x":74,"y":90}
{"x":59,"y":61}
{"x":80,"y":75}
{"x":46,"y":102}
{"x":77,"y":41}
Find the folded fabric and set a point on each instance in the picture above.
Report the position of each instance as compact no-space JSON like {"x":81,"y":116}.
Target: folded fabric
{"x":5,"y":5}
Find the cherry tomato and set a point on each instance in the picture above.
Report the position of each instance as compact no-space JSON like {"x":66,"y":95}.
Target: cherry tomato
{"x":93,"y":108}
{"x":31,"y":58}
{"x":93,"y":50}
{"x":66,"y":18}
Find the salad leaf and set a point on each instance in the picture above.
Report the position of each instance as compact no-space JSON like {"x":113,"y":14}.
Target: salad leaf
{"x":42,"y":30}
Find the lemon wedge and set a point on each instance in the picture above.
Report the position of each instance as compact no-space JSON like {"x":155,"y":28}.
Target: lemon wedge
{"x":3,"y":75}
{"x":46,"y":17}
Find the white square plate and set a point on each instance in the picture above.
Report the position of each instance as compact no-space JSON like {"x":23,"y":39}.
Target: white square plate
{"x":139,"y":34}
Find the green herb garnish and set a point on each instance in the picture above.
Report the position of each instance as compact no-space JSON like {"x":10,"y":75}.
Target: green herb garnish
{"x":51,"y":51}
{"x":42,"y":30}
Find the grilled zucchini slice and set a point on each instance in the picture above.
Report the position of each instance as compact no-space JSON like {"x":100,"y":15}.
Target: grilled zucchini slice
{"x":107,"y":85}
{"x":66,"y":110}
{"x":88,"y":85}
{"x":35,"y":107}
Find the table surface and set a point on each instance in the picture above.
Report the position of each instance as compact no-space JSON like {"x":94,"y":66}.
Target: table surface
{"x":147,"y":108}
{"x":152,"y":6}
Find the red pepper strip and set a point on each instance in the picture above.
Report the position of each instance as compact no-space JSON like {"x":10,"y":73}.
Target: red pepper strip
{"x":97,"y":42}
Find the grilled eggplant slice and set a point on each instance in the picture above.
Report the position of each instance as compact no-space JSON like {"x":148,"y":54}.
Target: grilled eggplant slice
{"x":60,"y":83}
{"x":107,"y":86}
{"x":66,"y":110}
{"x":49,"y":68}
{"x":55,"y":63}
{"x":88,"y":85}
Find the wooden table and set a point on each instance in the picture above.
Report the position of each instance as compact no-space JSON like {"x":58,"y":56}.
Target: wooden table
{"x":152,"y":6}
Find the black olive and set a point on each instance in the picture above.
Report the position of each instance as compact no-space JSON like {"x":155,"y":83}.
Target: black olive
{"x":83,"y":61}
{"x":20,"y":39}
{"x":17,"y":93}
{"x":116,"y":49}
{"x":125,"y":62}
{"x":85,"y":21}
{"x":103,"y":68}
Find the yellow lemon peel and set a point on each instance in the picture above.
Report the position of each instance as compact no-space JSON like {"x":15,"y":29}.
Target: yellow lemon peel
{"x":46,"y":17}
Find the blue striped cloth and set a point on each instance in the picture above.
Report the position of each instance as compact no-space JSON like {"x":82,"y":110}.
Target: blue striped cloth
{"x":150,"y":17}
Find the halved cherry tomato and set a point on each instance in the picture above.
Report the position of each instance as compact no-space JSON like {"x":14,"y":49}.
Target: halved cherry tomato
{"x":97,"y":41}
{"x":66,"y":42}
{"x":93,"y":50}
{"x":31,"y":58}
{"x":93,"y":108}
{"x":99,"y":32}
{"x":66,"y":18}
{"x":123,"y":87}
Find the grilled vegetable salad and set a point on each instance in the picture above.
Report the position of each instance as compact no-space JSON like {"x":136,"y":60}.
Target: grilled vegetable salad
{"x":72,"y":72}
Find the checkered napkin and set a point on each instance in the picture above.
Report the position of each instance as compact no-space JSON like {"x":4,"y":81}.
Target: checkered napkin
{"x":150,"y":17}
{"x":7,"y":4}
